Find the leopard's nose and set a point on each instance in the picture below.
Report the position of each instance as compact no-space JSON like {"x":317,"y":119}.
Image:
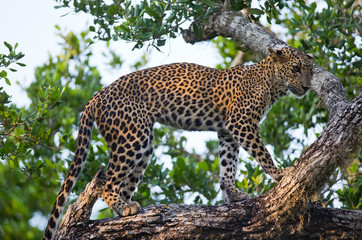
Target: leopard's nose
{"x":305,"y":89}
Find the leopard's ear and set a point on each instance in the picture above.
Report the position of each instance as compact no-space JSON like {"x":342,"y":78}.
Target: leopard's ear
{"x":277,"y":56}
{"x":310,"y":56}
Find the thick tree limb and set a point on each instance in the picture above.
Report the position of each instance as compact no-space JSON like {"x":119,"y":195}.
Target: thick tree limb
{"x":282,"y":213}
{"x":175,"y":221}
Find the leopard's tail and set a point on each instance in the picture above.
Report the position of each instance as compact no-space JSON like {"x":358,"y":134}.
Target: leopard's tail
{"x":84,"y":136}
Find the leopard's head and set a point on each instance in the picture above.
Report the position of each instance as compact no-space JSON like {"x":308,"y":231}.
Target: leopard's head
{"x":293,"y":68}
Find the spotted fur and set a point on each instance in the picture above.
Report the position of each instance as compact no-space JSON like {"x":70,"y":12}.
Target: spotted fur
{"x":188,"y":96}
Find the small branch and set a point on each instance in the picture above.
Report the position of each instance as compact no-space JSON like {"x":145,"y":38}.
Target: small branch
{"x":17,"y":123}
{"x":238,"y":59}
{"x":185,"y":152}
{"x":14,"y":125}
{"x":33,"y":141}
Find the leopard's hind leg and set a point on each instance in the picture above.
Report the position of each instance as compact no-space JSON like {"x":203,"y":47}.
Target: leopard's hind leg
{"x":228,"y":157}
{"x":130,"y":140}
{"x":130,"y":184}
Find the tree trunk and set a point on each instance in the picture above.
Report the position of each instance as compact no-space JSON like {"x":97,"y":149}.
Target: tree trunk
{"x":282,"y":213}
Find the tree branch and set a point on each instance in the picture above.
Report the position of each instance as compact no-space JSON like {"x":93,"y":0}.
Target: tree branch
{"x":232,"y":221}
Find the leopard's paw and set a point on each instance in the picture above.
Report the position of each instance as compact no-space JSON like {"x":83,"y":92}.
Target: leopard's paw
{"x":126,"y":209}
{"x":233,"y":195}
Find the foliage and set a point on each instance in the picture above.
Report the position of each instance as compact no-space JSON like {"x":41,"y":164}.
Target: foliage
{"x":7,"y":59}
{"x":39,"y":140}
{"x":333,"y":35}
{"x":156,"y":21}
{"x":351,"y":192}
{"x":40,"y":131}
{"x":19,"y":131}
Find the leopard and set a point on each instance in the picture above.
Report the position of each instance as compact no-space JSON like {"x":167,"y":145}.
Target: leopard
{"x":187,"y":96}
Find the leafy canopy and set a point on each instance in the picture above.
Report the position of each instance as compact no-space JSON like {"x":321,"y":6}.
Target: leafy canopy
{"x":155,"y":21}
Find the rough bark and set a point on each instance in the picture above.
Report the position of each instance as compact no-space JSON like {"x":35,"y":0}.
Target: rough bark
{"x":285,"y":211}
{"x":232,"y":221}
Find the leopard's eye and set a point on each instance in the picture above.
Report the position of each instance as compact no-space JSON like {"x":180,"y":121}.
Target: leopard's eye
{"x":296,"y":69}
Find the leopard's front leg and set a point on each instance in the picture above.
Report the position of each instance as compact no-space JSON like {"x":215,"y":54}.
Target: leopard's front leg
{"x":244,"y":129}
{"x":248,"y":136}
{"x":228,"y":158}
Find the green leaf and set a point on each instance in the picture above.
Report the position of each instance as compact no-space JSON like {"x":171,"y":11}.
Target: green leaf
{"x":255,"y":11}
{"x":114,"y":37}
{"x":197,"y":8}
{"x":208,"y":3}
{"x":7,"y":81}
{"x":203,"y":166}
{"x":305,"y":6}
{"x":8,"y":147}
{"x":8,"y":46}
{"x":181,"y":163}
{"x":161,"y":42}
{"x":16,"y":163}
{"x":3,"y":74}
{"x":19,"y":55}
{"x":21,"y":64}
{"x":349,"y":4}
{"x":177,"y":7}
{"x":197,"y":31}
{"x":152,"y":13}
